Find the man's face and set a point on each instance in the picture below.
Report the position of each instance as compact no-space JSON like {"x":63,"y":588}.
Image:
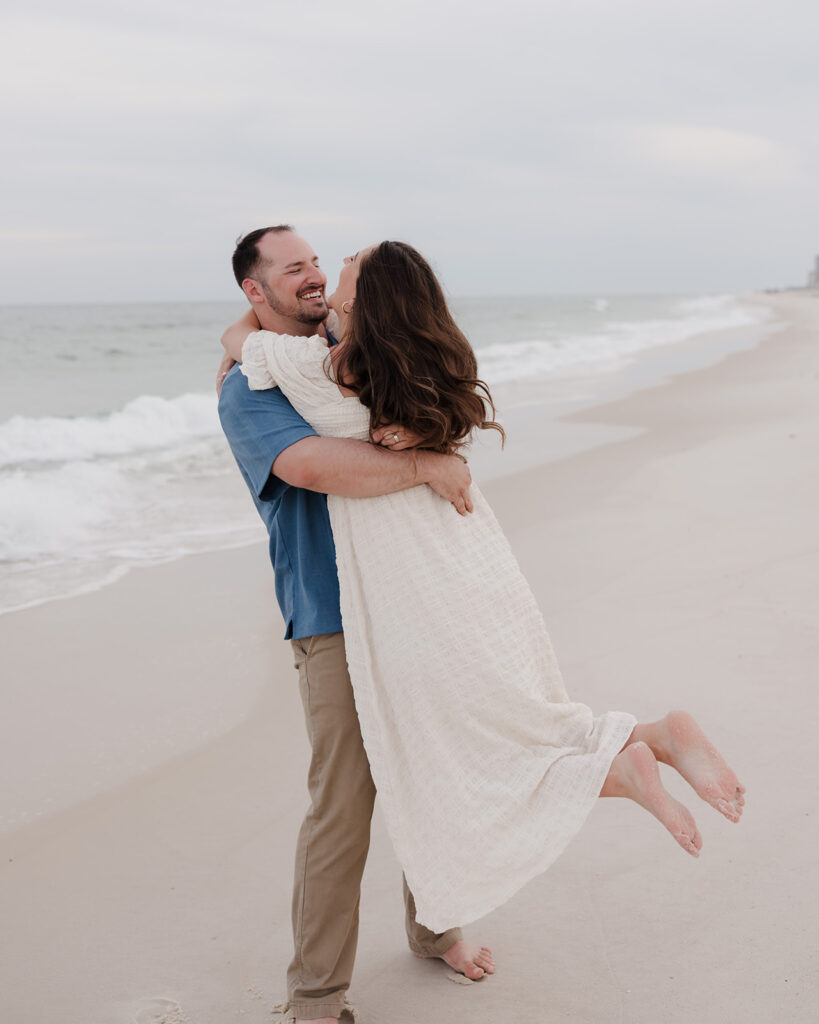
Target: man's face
{"x":291,"y":279}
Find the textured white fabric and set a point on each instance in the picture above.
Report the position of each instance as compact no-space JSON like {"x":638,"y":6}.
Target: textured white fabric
{"x":484,"y":767}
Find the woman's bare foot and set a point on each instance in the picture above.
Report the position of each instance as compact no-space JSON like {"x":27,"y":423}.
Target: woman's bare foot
{"x":465,"y":958}
{"x":634,"y":774}
{"x":678,"y":741}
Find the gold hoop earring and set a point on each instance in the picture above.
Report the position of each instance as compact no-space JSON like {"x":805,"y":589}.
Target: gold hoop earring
{"x":345,"y":304}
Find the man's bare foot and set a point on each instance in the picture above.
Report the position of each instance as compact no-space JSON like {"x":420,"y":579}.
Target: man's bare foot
{"x":465,"y":958}
{"x":634,"y":774}
{"x":678,"y":741}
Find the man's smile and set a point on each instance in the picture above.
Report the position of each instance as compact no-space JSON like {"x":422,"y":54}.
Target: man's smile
{"x":314,"y":293}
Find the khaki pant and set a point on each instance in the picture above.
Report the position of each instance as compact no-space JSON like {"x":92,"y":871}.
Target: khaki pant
{"x":334,"y":839}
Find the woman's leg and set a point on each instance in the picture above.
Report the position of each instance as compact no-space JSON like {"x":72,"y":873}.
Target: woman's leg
{"x":634,"y":774}
{"x":678,"y":741}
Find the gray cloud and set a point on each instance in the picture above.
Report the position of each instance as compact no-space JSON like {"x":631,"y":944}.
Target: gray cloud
{"x":524,"y":147}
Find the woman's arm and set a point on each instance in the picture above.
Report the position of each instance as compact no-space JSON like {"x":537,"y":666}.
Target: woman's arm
{"x":236,"y":335}
{"x":224,"y":369}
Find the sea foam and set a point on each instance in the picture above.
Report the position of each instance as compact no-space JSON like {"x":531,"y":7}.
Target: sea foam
{"x":84,"y":497}
{"x":57,"y":511}
{"x":144,"y":424}
{"x":614,"y":343}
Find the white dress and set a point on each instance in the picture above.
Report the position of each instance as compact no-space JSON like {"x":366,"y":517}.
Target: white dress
{"x":484,"y":767}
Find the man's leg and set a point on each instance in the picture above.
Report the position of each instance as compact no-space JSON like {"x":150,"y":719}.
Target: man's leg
{"x":462,"y":956}
{"x":421,"y":940}
{"x":335,"y":836}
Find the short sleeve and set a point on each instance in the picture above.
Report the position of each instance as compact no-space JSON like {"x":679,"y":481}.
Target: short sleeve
{"x":295,"y":364}
{"x":254,"y":362}
{"x":259,"y":425}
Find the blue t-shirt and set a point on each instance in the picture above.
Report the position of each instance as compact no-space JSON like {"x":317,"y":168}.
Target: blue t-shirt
{"x":259,"y":425}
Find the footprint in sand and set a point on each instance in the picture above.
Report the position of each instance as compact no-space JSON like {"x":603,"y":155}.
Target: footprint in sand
{"x":460,"y":979}
{"x":160,"y":1011}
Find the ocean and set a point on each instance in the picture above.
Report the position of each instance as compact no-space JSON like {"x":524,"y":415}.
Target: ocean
{"x":111,"y":454}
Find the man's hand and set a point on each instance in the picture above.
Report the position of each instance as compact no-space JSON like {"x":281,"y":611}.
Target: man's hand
{"x":224,"y":367}
{"x":449,"y":476}
{"x":395,"y":437}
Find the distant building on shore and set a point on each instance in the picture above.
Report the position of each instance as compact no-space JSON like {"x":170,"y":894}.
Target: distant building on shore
{"x":813,"y":276}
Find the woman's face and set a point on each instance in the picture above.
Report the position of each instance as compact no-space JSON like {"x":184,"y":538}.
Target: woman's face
{"x":345,"y":289}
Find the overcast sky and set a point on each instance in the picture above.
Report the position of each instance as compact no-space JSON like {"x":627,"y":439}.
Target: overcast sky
{"x":628,"y":146}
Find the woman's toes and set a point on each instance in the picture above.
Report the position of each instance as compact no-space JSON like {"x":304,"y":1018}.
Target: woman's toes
{"x":689,"y":844}
{"x":731,"y":812}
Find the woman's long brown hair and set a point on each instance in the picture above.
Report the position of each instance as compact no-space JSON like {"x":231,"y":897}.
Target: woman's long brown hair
{"x":406,"y":358}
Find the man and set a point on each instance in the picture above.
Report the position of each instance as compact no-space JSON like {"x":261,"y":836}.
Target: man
{"x":289,"y":470}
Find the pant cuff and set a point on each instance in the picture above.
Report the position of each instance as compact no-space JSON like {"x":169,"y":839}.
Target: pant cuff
{"x":311,"y":1009}
{"x":441,"y":944}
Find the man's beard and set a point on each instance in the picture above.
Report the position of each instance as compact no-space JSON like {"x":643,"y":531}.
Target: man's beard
{"x":294,"y":312}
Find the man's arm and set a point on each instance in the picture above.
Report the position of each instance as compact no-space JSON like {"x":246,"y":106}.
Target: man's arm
{"x":357,"y":469}
{"x":276,"y":448}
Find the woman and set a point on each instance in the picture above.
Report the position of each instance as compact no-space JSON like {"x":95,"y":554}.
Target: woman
{"x":484,"y":767}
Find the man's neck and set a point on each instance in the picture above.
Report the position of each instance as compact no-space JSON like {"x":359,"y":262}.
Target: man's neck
{"x":271,"y":321}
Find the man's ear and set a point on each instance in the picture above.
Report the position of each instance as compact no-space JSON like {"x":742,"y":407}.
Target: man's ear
{"x":252,"y":290}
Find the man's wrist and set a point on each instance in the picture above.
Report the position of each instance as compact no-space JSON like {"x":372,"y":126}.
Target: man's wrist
{"x":427,"y":464}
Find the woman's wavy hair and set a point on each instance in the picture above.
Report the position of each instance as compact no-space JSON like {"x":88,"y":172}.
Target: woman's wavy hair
{"x":407,"y":359}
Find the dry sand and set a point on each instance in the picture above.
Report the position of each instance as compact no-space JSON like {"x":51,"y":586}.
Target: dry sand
{"x":677,"y":568}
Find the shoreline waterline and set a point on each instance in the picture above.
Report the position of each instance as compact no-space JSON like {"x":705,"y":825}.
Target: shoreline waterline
{"x":127,"y":500}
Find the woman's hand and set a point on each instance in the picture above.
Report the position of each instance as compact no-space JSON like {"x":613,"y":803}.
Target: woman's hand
{"x":222,"y":372}
{"x":236,"y":335}
{"x":395,"y":437}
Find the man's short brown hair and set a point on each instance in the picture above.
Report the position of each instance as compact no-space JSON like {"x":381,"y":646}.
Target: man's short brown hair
{"x":246,"y":259}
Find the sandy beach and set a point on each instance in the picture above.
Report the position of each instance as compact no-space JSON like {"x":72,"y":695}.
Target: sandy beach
{"x":676,"y":566}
